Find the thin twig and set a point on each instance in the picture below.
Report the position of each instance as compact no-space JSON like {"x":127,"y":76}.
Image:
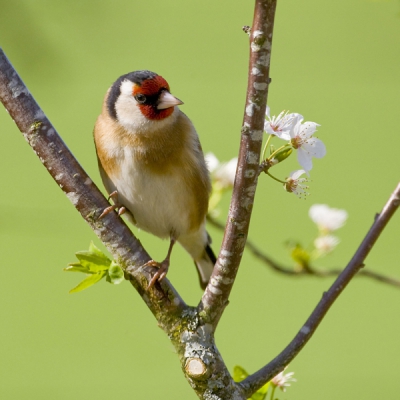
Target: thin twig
{"x":258,"y":253}
{"x":190,"y":330}
{"x":217,"y":292}
{"x":258,"y":379}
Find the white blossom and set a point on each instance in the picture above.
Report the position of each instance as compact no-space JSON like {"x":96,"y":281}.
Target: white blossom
{"x":327,"y":219}
{"x":301,"y":138}
{"x":282,"y":380}
{"x":326,"y":243}
{"x":282,"y":124}
{"x":211,"y":161}
{"x":290,"y":127}
{"x":223,"y":174}
{"x":294,"y":184}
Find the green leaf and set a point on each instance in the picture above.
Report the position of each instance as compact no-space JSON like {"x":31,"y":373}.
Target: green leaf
{"x":239,"y":373}
{"x":96,"y":265}
{"x":299,"y":254}
{"x":88,"y":281}
{"x":98,"y":252}
{"x":264,"y":389}
{"x":258,"y":396}
{"x":261,"y":393}
{"x":77,"y":267}
{"x":92,"y":261}
{"x":115,"y":274}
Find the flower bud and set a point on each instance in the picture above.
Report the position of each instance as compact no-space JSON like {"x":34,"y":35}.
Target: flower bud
{"x":276,"y":158}
{"x":283,"y":154}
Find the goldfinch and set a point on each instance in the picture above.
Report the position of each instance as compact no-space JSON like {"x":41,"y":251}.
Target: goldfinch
{"x":152,"y":165}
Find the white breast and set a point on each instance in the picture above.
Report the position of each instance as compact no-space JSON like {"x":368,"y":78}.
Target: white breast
{"x":157,"y":202}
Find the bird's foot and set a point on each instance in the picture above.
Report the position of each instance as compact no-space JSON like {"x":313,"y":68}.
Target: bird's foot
{"x":121,"y":210}
{"x":113,"y":195}
{"x":116,"y":206}
{"x":160,"y":274}
{"x":107,"y":210}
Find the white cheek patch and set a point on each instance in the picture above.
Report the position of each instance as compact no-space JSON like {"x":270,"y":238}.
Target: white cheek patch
{"x":130,"y":116}
{"x":126,"y":107}
{"x":127,"y":88}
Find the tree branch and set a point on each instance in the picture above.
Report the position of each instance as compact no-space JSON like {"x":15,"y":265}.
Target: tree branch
{"x":82,"y":192}
{"x":216,"y":295}
{"x":265,"y":258}
{"x":258,"y":379}
{"x":191,"y":330}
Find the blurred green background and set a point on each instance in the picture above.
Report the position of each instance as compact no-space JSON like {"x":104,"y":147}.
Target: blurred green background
{"x":337,"y":63}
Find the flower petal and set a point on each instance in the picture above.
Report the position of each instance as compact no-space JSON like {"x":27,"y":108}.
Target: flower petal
{"x":296,"y":117}
{"x":268,"y":128}
{"x":284,"y":135}
{"x":304,"y":158}
{"x":319,"y":148}
{"x":327,"y":218}
{"x":326,"y":243}
{"x":296,"y":174}
{"x":308,"y":129}
{"x":211,"y":161}
{"x":296,"y":126}
{"x":225,"y":173}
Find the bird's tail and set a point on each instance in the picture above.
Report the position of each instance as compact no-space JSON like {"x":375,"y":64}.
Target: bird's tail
{"x":197,"y":244}
{"x":205,"y":266}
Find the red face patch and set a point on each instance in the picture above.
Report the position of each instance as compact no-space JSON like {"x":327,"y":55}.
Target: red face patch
{"x":151,"y":112}
{"x":149,"y":88}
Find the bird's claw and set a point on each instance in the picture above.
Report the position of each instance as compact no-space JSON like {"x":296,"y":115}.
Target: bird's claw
{"x":160,"y":274}
{"x":112,"y":195}
{"x":121,"y":210}
{"x":106,"y":211}
{"x":116,"y":206}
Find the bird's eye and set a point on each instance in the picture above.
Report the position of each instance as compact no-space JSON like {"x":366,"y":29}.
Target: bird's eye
{"x":140,"y":98}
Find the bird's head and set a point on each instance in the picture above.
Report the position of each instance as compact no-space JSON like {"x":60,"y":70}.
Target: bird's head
{"x":140,"y":98}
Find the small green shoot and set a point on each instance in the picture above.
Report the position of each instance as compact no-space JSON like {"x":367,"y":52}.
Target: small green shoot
{"x":239,"y":374}
{"x":96,"y":265}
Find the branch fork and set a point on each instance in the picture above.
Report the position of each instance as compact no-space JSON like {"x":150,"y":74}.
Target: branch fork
{"x":190,"y":329}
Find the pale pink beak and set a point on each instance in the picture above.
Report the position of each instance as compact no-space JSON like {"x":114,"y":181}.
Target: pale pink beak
{"x":166,"y":100}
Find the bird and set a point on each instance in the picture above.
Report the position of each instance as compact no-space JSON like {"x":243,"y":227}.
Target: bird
{"x":152,"y":165}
